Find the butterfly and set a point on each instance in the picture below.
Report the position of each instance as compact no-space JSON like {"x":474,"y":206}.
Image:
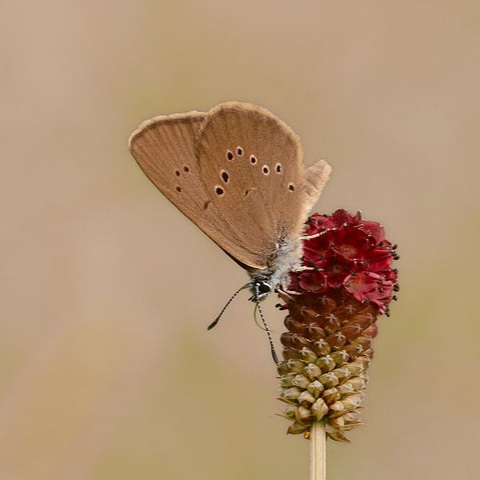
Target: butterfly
{"x":237,"y":173}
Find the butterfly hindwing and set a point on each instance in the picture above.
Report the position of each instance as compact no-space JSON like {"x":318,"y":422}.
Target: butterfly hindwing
{"x":163,"y":147}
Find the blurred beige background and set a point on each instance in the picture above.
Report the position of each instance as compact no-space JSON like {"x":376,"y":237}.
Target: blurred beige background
{"x":106,"y":368}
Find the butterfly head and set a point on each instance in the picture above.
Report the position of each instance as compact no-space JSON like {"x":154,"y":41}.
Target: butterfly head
{"x":284,"y":259}
{"x":259,"y":288}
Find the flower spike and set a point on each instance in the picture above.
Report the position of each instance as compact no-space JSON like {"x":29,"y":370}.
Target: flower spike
{"x":331,"y":321}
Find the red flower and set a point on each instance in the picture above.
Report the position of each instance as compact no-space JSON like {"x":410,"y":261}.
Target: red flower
{"x":333,"y":305}
{"x":348,"y":254}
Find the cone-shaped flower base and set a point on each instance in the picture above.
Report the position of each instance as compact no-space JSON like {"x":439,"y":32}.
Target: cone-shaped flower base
{"x":332,"y":310}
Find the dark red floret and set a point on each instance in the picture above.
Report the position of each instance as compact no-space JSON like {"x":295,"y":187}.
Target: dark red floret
{"x":349,"y":254}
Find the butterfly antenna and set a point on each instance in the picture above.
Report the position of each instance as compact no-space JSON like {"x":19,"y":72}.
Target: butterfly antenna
{"x":269,"y":335}
{"x":219,"y":316}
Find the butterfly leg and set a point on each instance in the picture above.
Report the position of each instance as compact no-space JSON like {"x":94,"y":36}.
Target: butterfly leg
{"x":305,"y":269}
{"x":287,"y":293}
{"x":315,"y":235}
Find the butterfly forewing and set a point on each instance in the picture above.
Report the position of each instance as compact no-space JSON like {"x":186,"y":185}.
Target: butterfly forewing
{"x":236,"y":172}
{"x":250,"y":163}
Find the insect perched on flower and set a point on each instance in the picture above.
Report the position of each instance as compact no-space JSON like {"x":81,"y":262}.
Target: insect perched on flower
{"x":237,"y":173}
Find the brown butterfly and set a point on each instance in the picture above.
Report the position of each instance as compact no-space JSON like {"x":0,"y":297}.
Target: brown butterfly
{"x":237,"y":173}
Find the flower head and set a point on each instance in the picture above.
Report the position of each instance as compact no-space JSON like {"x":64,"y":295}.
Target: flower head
{"x":349,"y":253}
{"x":333,"y":302}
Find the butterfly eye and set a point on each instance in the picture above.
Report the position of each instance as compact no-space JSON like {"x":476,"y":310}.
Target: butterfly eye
{"x":229,"y":155}
{"x":278,"y":168}
{"x":219,"y":191}
{"x":265,"y":170}
{"x":291,"y":187}
{"x":239,"y":151}
{"x":225,"y":176}
{"x":253,"y":159}
{"x":264,"y":287}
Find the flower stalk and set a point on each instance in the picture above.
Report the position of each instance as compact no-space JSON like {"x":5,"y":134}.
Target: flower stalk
{"x":318,"y":452}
